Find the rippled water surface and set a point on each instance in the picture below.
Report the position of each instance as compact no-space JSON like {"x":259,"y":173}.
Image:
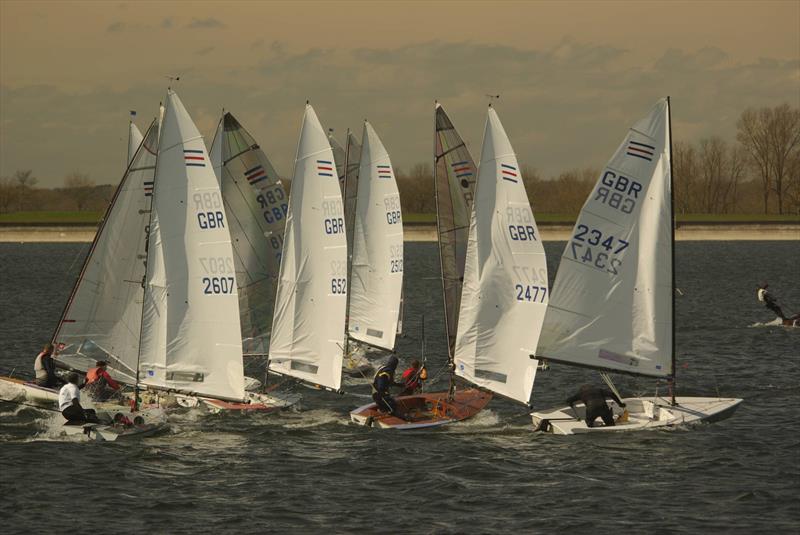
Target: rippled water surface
{"x":309,"y":470}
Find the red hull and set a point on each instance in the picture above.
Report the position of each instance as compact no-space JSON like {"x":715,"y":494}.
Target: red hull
{"x":425,"y":410}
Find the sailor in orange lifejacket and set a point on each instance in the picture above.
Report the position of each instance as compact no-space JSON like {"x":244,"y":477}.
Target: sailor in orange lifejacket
{"x":99,"y":383}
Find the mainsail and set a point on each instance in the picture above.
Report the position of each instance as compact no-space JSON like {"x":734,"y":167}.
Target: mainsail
{"x":102,"y":319}
{"x":191,"y":336}
{"x":505,"y":280}
{"x":308,"y":325}
{"x":611,"y":305}
{"x":134,"y":140}
{"x":255,"y":205}
{"x":454,"y":183}
{"x":376,"y":280}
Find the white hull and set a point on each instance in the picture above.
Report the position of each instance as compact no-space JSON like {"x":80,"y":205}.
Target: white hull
{"x":154,"y":422}
{"x":16,"y":390}
{"x":643,"y":414}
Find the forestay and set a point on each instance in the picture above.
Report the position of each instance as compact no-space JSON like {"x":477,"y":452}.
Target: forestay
{"x":308,"y":326}
{"x":454,"y":183}
{"x":190,"y":326}
{"x":255,"y":205}
{"x":611,"y":305}
{"x":102,"y":319}
{"x":134,"y":140}
{"x":376,"y":280}
{"x":505,"y":290}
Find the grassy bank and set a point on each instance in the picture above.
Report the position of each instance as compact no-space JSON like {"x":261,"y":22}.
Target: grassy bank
{"x":89,"y":218}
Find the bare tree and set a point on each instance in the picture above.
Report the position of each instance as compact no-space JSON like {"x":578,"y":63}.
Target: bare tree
{"x":79,"y":187}
{"x":7,"y":191}
{"x":784,"y":141}
{"x":685,"y":172}
{"x":753,"y":134}
{"x":25,"y":180}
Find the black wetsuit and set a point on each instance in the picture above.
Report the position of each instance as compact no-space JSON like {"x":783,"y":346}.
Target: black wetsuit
{"x":771,"y":304}
{"x":384,"y":379}
{"x":594,"y":398}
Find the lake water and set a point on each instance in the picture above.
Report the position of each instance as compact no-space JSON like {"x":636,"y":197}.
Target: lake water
{"x":311,"y":471}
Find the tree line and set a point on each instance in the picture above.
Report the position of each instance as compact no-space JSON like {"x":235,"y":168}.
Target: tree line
{"x":759,"y":172}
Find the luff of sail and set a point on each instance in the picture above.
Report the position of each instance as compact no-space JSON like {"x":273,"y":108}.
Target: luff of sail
{"x":102,"y":319}
{"x":308,"y":325}
{"x":256,"y":206}
{"x":134,"y":140}
{"x":376,"y":279}
{"x":191,"y":336}
{"x":611,"y":305}
{"x":454,"y":183}
{"x":505,"y":289}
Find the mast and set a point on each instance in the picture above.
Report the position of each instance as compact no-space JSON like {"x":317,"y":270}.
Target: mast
{"x":349,"y":252}
{"x":451,"y":389}
{"x":672,"y":245}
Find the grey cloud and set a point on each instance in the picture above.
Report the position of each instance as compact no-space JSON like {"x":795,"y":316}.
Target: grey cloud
{"x":564,"y":107}
{"x":166,"y":23}
{"x":207,"y":23}
{"x":116,"y":27}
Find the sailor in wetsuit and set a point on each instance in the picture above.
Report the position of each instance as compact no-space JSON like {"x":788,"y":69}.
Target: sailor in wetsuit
{"x":384,"y":379}
{"x":594,"y":398}
{"x":765,"y":297}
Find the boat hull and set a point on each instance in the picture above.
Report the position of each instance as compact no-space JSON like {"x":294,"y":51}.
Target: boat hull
{"x":422,"y":411}
{"x":19,"y":390}
{"x":642,"y":414}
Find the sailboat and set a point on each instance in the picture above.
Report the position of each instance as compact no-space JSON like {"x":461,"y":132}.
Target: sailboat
{"x":504,"y":290}
{"x":376,"y":280}
{"x":307,"y":340}
{"x":256,"y":205}
{"x":612,"y":306}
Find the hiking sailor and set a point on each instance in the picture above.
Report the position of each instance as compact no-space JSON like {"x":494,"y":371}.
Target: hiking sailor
{"x":45,"y":368}
{"x":69,"y":402}
{"x":594,"y":399}
{"x":384,"y":379}
{"x":99,"y":383}
{"x":765,"y":297}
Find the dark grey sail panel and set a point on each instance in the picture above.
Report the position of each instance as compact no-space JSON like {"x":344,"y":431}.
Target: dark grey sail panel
{"x":256,"y":205}
{"x":454,"y":176}
{"x":350,"y":189}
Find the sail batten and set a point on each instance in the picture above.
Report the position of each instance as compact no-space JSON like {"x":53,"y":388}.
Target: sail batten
{"x":377,"y":271}
{"x":505,"y":289}
{"x":307,"y":338}
{"x":611,"y":306}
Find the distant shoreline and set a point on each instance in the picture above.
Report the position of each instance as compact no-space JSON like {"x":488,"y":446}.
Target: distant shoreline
{"x":426,"y":232}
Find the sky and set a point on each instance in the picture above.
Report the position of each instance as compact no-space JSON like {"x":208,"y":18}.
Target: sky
{"x":572,"y":76}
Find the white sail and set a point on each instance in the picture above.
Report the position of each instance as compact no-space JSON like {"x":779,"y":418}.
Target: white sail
{"x":611,"y":305}
{"x":134,"y":140}
{"x":191,"y":333}
{"x":505,"y":292}
{"x":256,"y":206}
{"x":103,"y":317}
{"x":308,"y":325}
{"x":376,"y":279}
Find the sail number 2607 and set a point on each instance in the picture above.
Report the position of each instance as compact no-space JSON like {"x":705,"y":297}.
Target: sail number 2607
{"x":218,"y":285}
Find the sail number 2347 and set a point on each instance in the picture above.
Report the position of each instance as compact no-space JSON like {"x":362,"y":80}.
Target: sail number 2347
{"x":590,"y":246}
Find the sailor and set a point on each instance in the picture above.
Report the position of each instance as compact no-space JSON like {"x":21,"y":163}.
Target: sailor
{"x":45,"y":368}
{"x":99,"y":383}
{"x":384,"y":379}
{"x":413,"y":378}
{"x":765,"y":297}
{"x":69,"y":402}
{"x":594,"y":398}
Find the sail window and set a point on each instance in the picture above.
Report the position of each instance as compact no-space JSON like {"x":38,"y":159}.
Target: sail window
{"x":491,"y":376}
{"x":186,"y":377}
{"x":303,"y":367}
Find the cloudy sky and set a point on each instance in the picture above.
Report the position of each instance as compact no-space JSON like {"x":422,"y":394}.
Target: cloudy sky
{"x":572,"y":75}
